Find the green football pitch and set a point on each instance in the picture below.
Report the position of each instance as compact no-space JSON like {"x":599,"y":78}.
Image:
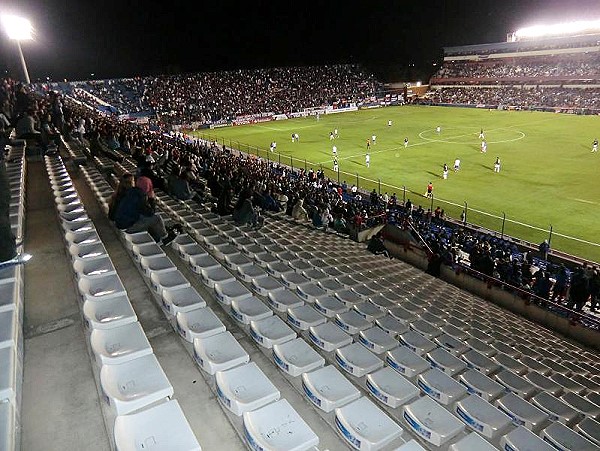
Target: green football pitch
{"x":548,"y":184}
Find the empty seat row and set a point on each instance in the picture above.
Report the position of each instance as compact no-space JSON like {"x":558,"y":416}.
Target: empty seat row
{"x":131,"y":380}
{"x":12,"y":283}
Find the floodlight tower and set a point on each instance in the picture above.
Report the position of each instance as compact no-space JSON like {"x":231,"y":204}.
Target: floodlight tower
{"x":18,"y":29}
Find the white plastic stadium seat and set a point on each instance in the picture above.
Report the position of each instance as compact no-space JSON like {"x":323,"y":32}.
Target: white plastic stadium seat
{"x":304,"y":317}
{"x":108,"y":313}
{"x":271,"y":331}
{"x":472,"y":442}
{"x":278,"y":426}
{"x":198,"y":323}
{"x":522,"y":412}
{"x":482,"y":417}
{"x":249,"y":309}
{"x":357,"y":360}
{"x":101,"y":288}
{"x":440,"y":386}
{"x":219,"y":352}
{"x":181,"y":300}
{"x":162,"y":427}
{"x":590,"y":429}
{"x":377,"y":340}
{"x":431,"y":422}
{"x":555,"y":408}
{"x":523,"y":439}
{"x":229,"y":291}
{"x":120,"y":344}
{"x":390,"y":388}
{"x":406,"y":362}
{"x":563,"y":437}
{"x":134,"y":384}
{"x":328,"y":337}
{"x":365,"y":426}
{"x":327,"y":388}
{"x":481,"y":385}
{"x":296,"y":357}
{"x":245,"y":388}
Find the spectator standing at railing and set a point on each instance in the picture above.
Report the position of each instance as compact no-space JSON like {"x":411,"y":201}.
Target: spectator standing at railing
{"x":559,"y":289}
{"x":579,"y":291}
{"x":595,"y":289}
{"x":544,"y":249}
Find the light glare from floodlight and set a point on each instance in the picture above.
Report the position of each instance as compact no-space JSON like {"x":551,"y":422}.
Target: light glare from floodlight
{"x":569,"y":28}
{"x":17,"y":28}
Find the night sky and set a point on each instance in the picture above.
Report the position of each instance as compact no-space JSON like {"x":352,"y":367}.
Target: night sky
{"x":110,"y":38}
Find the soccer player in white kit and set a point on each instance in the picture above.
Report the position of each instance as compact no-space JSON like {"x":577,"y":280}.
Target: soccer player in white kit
{"x":336,"y":167}
{"x":335,"y":133}
{"x":334,"y":150}
{"x":373,"y":138}
{"x":481,"y":135}
{"x":445,"y":173}
{"x":406,"y":142}
{"x":497,"y":165}
{"x":595,"y":145}
{"x":483,"y":146}
{"x":368,"y":159}
{"x":456,"y":165}
{"x":438,"y":130}
{"x":389,"y":123}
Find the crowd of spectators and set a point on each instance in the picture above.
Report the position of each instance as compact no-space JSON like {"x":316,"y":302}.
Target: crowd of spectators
{"x":124,"y":95}
{"x":457,"y":245}
{"x":193,"y":169}
{"x":523,"y":98}
{"x":578,"y":67}
{"x":210,"y":97}
{"x":38,"y":120}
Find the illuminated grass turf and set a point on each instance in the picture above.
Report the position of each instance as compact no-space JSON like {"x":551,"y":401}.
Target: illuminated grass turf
{"x":549,"y":176}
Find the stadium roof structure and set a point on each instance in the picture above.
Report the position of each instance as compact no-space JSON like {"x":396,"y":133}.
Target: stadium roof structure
{"x":547,"y":45}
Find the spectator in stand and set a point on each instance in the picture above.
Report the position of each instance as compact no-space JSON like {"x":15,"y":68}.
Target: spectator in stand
{"x":26,"y":127}
{"x":245,"y":213}
{"x":179,"y":186}
{"x":133,"y":210}
{"x":377,"y":246}
{"x":299,"y":212}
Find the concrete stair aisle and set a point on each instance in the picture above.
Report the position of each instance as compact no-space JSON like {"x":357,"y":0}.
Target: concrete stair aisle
{"x":61,"y":408}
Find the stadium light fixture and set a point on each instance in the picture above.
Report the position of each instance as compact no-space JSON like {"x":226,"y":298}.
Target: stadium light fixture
{"x":563,"y":29}
{"x":18,"y":29}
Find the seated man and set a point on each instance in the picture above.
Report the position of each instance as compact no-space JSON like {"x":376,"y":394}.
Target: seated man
{"x":179,"y":186}
{"x":245,"y":213}
{"x":133,"y":210}
{"x":25,"y":128}
{"x":376,"y":245}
